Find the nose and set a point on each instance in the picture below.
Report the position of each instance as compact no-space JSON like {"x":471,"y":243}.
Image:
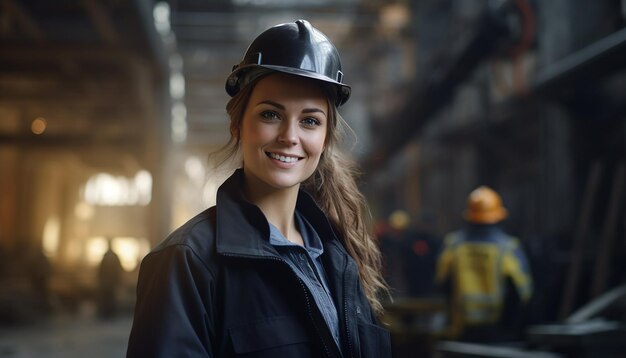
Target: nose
{"x":288,"y":132}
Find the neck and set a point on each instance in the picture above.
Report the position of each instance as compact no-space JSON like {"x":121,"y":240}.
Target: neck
{"x":278,"y":205}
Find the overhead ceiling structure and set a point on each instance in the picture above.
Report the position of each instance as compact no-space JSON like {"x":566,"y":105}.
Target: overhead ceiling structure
{"x":80,"y":89}
{"x":84,"y":70}
{"x":120,"y":86}
{"x":89,"y":67}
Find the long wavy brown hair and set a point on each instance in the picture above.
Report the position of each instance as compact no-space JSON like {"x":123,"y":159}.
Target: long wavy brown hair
{"x":334,"y":188}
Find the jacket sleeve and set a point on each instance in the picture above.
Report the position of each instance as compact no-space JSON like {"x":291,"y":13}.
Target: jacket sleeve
{"x":173,"y":312}
{"x":515,"y":265}
{"x":444,"y":262}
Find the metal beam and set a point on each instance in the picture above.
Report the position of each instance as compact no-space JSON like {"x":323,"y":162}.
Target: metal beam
{"x":434,"y":91}
{"x":582,"y":67}
{"x":101,"y":21}
{"x":131,"y":142}
{"x":158,"y":54}
{"x":589,"y":64}
{"x":250,"y":15}
{"x":27,"y":23}
{"x":47,"y":52}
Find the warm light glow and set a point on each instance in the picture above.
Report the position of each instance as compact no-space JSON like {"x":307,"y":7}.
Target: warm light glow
{"x":129,"y":250}
{"x":195,"y":169}
{"x":212,"y":183}
{"x":95,"y":249}
{"x":209,"y":193}
{"x":108,"y":190}
{"x":74,"y":250}
{"x":394,"y":17}
{"x":84,"y":211}
{"x":38,"y":125}
{"x":51,"y":231}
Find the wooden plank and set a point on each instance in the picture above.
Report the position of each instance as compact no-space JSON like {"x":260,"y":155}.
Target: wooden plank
{"x":604,"y":255}
{"x":578,"y":247}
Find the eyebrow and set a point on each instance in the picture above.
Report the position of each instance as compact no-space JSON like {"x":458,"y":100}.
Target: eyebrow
{"x":281,"y":107}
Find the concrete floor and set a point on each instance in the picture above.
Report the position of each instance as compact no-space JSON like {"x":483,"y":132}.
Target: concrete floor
{"x":64,"y":336}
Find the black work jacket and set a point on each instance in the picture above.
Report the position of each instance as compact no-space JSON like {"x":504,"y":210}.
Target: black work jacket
{"x":217,"y":288}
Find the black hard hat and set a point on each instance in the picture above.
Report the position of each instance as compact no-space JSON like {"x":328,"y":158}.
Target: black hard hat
{"x":294,"y":48}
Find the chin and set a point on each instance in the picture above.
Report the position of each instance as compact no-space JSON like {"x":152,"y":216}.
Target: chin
{"x":286,"y":180}
{"x":281,"y":182}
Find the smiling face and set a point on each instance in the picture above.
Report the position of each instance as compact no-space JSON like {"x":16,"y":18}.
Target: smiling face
{"x":283,"y":131}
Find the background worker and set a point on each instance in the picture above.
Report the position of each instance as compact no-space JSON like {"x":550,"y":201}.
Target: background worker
{"x":393,"y":244}
{"x":109,"y":280}
{"x":484,"y":273}
{"x":409,"y":254}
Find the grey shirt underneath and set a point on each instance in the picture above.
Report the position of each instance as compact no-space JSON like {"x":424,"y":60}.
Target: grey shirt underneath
{"x":306,"y":263}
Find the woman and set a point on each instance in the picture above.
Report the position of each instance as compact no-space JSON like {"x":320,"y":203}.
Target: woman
{"x":283,"y":265}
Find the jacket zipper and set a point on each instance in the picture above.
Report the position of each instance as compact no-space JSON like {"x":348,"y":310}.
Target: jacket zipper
{"x":308,"y":306}
{"x":346,"y":312}
{"x":306,"y":295}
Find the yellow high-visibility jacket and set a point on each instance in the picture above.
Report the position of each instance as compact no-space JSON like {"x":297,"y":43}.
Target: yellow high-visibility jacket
{"x":477,"y":264}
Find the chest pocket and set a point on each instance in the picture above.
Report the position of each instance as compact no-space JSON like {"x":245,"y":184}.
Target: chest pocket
{"x":375,"y":341}
{"x":273,"y":337}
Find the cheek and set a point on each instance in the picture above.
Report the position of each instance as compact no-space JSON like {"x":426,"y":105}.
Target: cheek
{"x":317,"y":144}
{"x":254,"y":133}
{"x":323,"y":137}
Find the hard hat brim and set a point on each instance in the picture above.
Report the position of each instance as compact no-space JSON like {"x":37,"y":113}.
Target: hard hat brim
{"x":237,"y":79}
{"x":489,"y":217}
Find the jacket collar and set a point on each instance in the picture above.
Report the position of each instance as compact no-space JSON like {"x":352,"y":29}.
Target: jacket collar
{"x":243,"y":230}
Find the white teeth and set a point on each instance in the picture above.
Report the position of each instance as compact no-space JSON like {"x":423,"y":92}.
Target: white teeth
{"x":284,"y":159}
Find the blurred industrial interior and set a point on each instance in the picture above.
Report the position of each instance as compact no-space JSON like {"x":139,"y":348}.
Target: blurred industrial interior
{"x":108,"y":109}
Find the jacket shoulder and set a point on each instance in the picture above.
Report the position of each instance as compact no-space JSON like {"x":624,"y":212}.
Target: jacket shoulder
{"x":197,"y":235}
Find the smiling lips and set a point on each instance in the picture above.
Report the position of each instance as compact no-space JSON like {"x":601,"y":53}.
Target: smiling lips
{"x":283,"y":158}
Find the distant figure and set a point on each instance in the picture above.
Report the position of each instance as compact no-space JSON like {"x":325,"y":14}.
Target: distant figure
{"x":485,"y":274}
{"x":39,"y":272}
{"x":392,"y":240}
{"x":109,"y":276}
{"x":422,"y":247}
{"x":409,"y":255}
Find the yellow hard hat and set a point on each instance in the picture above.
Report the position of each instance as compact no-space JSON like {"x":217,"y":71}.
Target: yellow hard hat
{"x":399,"y":219}
{"x":484,"y":206}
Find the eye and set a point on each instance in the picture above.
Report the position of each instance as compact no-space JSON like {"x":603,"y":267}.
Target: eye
{"x":270,"y":115}
{"x":311,"y":122}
